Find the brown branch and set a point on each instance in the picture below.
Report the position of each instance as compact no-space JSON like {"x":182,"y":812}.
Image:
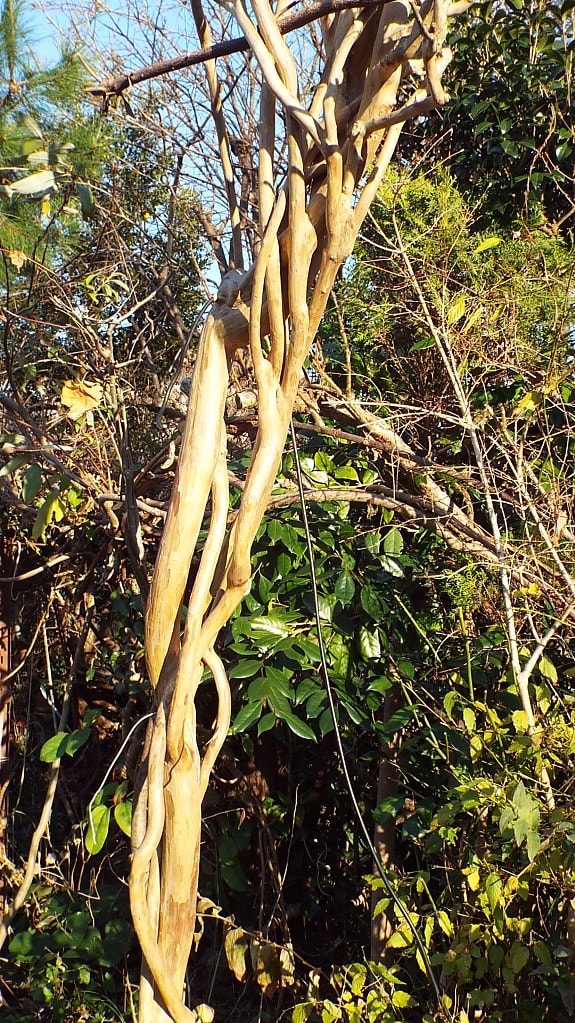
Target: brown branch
{"x":287,"y":23}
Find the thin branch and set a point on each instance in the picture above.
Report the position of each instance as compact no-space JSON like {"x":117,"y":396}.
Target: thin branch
{"x":287,"y":23}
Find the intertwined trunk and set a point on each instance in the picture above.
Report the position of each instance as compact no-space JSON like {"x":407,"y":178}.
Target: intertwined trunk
{"x":382,"y":65}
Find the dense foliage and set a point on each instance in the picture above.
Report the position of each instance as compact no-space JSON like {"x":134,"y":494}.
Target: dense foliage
{"x":437,"y":403}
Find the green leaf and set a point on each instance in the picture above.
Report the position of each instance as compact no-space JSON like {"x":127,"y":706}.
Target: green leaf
{"x":449,"y":701}
{"x":234,"y":877}
{"x":76,"y":740}
{"x":325,"y":607}
{"x":401,"y":938}
{"x":533,"y":844}
{"x":473,"y":880}
{"x":548,"y":669}
{"x":520,"y":721}
{"x":246,"y":717}
{"x":372,"y":542}
{"x":308,"y":687}
{"x":456,"y":309}
{"x":15,"y":463}
{"x":284,"y":565}
{"x":380,"y":684}
{"x":391,"y":566}
{"x":330,"y":1012}
{"x":520,"y":798}
{"x":393,"y":542}
{"x":373,"y":603}
{"x":302,"y":1012}
{"x":420,"y":346}
{"x":280,"y":682}
{"x":346,"y":472}
{"x":369,"y":645}
{"x":401,"y":1000}
{"x":506,"y":819}
{"x":297,"y":726}
{"x":344,"y":587}
{"x":518,"y":956}
{"x":496,"y":955}
{"x":487,"y":243}
{"x":28,"y":945}
{"x":275,"y":530}
{"x":542,"y":953}
{"x":46,"y":512}
{"x":123,"y":816}
{"x":277,"y":625}
{"x":32,"y":482}
{"x":245,"y":669}
{"x":323,"y":461}
{"x":54,"y":747}
{"x":266,"y":723}
{"x":97,"y":829}
{"x":87,"y":203}
{"x":493,"y":889}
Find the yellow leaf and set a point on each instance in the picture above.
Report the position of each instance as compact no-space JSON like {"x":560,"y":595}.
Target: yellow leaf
{"x":204,"y":1013}
{"x":473,"y":879}
{"x":528,"y":403}
{"x":45,"y":206}
{"x":487,"y":243}
{"x":445,"y":923}
{"x":17,"y":258}
{"x":400,"y":939}
{"x":273,"y":968}
{"x":520,"y":721}
{"x":80,"y":396}
{"x":456,"y":309}
{"x":236,"y":946}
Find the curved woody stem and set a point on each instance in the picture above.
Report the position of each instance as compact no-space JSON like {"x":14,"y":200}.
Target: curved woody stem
{"x":339,"y":148}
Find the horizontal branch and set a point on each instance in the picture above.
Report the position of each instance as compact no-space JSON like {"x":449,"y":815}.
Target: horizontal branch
{"x":287,"y":23}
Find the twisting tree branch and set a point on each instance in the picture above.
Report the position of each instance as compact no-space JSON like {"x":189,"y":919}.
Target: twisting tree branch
{"x":310,"y":216}
{"x":288,"y":22}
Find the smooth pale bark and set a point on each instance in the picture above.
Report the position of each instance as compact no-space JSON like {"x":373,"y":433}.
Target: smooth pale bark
{"x":338,"y":147}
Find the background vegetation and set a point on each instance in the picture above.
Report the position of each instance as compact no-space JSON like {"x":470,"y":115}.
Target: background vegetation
{"x":434,"y":436}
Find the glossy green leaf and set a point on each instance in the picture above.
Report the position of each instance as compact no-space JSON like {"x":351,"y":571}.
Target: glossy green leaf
{"x":369,"y":644}
{"x":245,"y":668}
{"x":246,"y":717}
{"x":392,"y":567}
{"x":97,"y":829}
{"x":266,"y":723}
{"x":297,"y":726}
{"x":373,"y":603}
{"x":54,"y":747}
{"x":76,"y":740}
{"x":344,"y":587}
{"x":123,"y":816}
